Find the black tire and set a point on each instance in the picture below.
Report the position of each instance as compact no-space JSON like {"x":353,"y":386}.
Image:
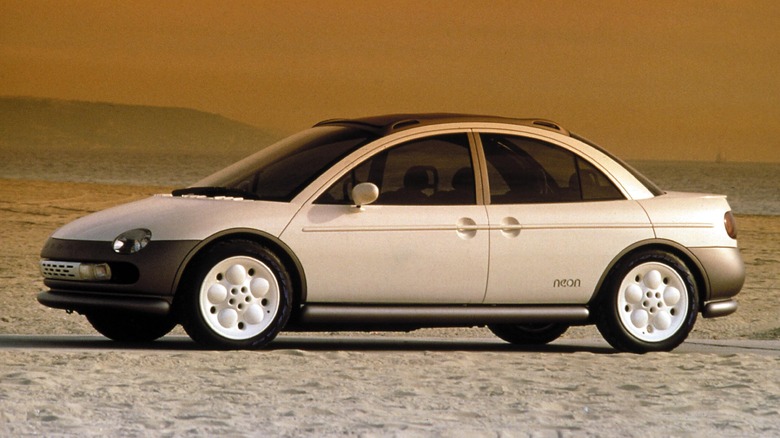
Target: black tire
{"x":236,"y":295}
{"x":131,"y":327}
{"x":649,"y":303}
{"x":529,"y":334}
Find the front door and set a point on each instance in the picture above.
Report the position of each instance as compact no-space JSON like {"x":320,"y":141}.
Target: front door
{"x":424,"y":240}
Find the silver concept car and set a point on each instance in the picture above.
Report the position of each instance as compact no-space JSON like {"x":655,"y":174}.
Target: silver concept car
{"x":400,"y":222}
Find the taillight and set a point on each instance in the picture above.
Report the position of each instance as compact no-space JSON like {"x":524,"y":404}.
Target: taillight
{"x":731,"y":224}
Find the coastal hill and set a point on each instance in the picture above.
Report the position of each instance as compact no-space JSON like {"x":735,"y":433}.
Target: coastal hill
{"x":50,"y":124}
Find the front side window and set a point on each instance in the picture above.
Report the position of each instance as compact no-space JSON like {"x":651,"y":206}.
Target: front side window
{"x":430,"y":171}
{"x":282,"y":170}
{"x":524,"y":170}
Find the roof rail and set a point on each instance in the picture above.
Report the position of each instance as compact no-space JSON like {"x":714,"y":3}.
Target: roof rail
{"x":547,"y":124}
{"x":403,"y":124}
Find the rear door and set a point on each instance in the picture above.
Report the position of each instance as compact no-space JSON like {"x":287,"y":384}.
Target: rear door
{"x":556,"y":222}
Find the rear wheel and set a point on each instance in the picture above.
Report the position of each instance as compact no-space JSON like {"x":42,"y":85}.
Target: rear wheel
{"x":529,"y":334}
{"x":131,"y":327}
{"x":650,"y":303}
{"x":238,"y":296}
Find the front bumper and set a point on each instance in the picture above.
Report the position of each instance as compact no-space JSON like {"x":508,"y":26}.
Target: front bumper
{"x":86,"y":302}
{"x":145,"y":281}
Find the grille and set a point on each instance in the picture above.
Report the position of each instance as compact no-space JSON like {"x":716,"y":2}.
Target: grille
{"x":60,"y":270}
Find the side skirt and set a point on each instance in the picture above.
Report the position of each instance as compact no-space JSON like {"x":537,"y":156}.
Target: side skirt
{"x":316,"y":317}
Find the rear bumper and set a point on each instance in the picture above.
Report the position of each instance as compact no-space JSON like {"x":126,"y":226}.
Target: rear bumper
{"x":714,"y":309}
{"x":724,"y":272}
{"x":85,"y":302}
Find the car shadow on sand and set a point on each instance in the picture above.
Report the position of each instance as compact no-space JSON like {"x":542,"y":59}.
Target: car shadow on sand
{"x":305,"y":343}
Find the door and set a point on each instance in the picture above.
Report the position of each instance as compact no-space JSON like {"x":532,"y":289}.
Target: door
{"x":556,"y":222}
{"x":424,"y":240}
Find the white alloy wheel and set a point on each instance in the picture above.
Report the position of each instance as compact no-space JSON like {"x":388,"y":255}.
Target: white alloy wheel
{"x":239,"y":298}
{"x":652,"y":302}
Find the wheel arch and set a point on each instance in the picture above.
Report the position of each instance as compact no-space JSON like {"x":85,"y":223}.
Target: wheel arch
{"x":285,"y":254}
{"x":684,"y":254}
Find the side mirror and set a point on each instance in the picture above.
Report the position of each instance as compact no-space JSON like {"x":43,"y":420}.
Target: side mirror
{"x":364,"y":194}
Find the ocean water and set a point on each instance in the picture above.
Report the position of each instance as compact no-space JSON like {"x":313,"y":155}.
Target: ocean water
{"x":137,"y":168}
{"x":752,"y":188}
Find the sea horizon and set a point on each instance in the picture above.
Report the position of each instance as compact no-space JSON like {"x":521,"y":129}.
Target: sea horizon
{"x":751,"y":188}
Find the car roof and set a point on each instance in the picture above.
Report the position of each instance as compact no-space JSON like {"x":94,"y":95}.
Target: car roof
{"x":389,"y":123}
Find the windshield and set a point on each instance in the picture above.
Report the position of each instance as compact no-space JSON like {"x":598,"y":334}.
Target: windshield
{"x":654,"y":189}
{"x":282,"y":170}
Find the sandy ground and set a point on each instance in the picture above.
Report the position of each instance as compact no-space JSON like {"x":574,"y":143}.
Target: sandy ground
{"x":346,"y":388}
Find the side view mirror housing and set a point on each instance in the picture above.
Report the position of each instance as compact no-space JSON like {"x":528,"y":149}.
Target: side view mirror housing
{"x":364,"y":194}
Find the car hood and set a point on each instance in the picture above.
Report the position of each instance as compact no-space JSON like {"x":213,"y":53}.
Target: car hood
{"x":180,"y":218}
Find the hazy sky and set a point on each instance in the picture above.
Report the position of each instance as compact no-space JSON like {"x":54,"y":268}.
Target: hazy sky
{"x":655,"y":79}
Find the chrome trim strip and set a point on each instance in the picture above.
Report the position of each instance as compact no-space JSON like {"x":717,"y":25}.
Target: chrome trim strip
{"x":606,"y":226}
{"x":454,"y":227}
{"x":684,"y":225}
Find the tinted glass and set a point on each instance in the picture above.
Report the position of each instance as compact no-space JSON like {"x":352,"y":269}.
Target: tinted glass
{"x":654,"y":189}
{"x":430,"y":171}
{"x":525,"y":170}
{"x":594,"y":185}
{"x":282,"y":170}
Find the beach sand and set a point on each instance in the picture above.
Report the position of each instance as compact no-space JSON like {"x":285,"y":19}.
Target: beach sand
{"x":347,"y":387}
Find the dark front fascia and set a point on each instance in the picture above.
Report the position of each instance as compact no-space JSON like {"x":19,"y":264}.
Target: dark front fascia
{"x":149,"y":272}
{"x":85,"y":302}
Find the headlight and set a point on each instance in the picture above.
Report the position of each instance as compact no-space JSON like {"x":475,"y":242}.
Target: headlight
{"x":130,"y":242}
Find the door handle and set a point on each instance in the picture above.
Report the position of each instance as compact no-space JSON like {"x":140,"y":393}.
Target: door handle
{"x":510,"y":227}
{"x":466,"y":228}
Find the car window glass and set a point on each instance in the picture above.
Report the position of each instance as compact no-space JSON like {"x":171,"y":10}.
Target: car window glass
{"x":429,"y":171}
{"x":280,"y":171}
{"x":595,"y":186}
{"x":526,"y":170}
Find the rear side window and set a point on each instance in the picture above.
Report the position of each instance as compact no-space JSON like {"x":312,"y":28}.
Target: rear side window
{"x":654,"y":189}
{"x":594,"y":185}
{"x":523,"y":170}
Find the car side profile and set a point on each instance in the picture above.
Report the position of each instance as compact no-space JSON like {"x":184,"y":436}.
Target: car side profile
{"x":401,"y":222}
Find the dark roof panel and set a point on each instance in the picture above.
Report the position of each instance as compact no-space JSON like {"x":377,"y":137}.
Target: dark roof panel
{"x":386,"y":124}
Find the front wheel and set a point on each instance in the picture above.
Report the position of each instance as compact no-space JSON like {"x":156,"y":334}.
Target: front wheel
{"x":238,"y":295}
{"x":529,"y":334}
{"x":131,"y":327}
{"x":650,"y":303}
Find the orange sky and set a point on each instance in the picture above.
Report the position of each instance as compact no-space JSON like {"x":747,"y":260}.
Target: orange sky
{"x":656,"y":79}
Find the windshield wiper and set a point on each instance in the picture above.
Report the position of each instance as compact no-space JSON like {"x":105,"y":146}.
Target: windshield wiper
{"x":212,"y":192}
